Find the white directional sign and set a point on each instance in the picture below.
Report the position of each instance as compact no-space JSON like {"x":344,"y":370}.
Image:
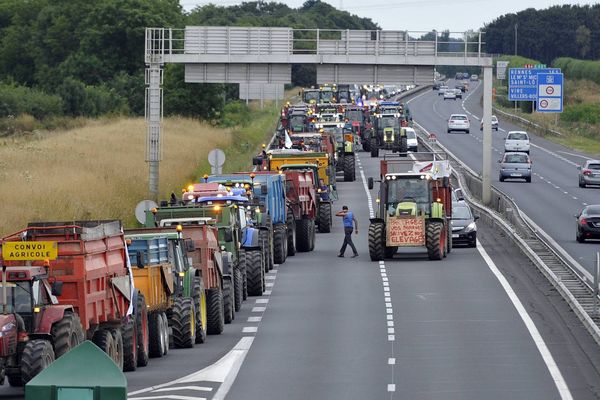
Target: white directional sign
{"x":550,"y":92}
{"x":501,"y":69}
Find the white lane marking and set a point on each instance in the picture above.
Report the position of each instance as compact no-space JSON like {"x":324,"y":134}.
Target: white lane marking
{"x":388,"y":304}
{"x":391,"y":387}
{"x":389,"y":310}
{"x":559,"y":381}
{"x":217,"y":372}
{"x":574,"y":155}
{"x":383,"y":278}
{"x":262,"y":301}
{"x":390,"y":323}
{"x":389,"y":317}
{"x":198,"y":388}
{"x":387,"y":294}
{"x":250,"y":329}
{"x":270,"y":277}
{"x":390,"y":330}
{"x":391,"y":361}
{"x":267,"y":293}
{"x":259,"y":309}
{"x":386,"y":289}
{"x":269,"y":284}
{"x":168,"y":397}
{"x":254,"y":319}
{"x":391,"y":338}
{"x":386,"y":284}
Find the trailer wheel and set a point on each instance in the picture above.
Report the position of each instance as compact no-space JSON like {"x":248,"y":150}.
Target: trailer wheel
{"x":184,"y":323}
{"x":291,"y":233}
{"x":268,"y":255}
{"x":376,"y":241}
{"x":156,"y":328}
{"x":15,"y":380}
{"x":313,"y":234}
{"x":103,"y":338}
{"x":238,"y":288}
{"x":255,"y":272}
{"x":374,"y":148}
{"x":349,"y":168}
{"x":324,"y":217}
{"x":141,"y":327}
{"x":118,"y":341}
{"x":129,"y":345}
{"x":227,"y":300}
{"x":303,"y":235}
{"x":214,"y":306}
{"x":199,"y":296}
{"x":242,"y":265}
{"x":37,"y":355}
{"x":165,"y":333}
{"x":403,"y":144}
{"x":366,"y":145}
{"x":278,"y":245}
{"x":66,"y":334}
{"x":435,"y":238}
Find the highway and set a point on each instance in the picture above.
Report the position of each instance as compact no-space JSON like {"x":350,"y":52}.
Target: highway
{"x":551,"y":199}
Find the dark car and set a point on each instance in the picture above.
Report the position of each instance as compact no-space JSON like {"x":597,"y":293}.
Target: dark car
{"x":464,"y":229}
{"x":588,"y":223}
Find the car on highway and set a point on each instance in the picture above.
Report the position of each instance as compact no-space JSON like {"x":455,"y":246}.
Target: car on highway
{"x":458,"y":93}
{"x":462,"y":88}
{"x":437,"y":85}
{"x":449,"y":94}
{"x":442,"y":89}
{"x":474,"y":77}
{"x":589,"y":173}
{"x":588,"y":223}
{"x":459,"y":122}
{"x":515,"y":166}
{"x":494,"y":123}
{"x":411,"y":140}
{"x":457,"y":195}
{"x":464,"y":228}
{"x":517,"y":141}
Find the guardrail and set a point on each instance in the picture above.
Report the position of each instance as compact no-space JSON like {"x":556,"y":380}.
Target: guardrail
{"x":527,"y":122}
{"x":569,"y":278}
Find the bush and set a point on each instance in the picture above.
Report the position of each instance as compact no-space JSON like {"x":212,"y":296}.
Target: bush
{"x":235,"y":113}
{"x":16,"y":100}
{"x":578,"y":69}
{"x":585,"y":113}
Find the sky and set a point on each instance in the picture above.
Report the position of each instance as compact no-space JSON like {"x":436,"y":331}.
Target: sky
{"x":421,"y":15}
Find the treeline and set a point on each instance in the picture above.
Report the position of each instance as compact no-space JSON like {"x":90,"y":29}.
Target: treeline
{"x":86,"y":58}
{"x":558,"y":31}
{"x":578,"y":69}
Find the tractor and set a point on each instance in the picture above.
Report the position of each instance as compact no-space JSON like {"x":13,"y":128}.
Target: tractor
{"x":388,"y":135}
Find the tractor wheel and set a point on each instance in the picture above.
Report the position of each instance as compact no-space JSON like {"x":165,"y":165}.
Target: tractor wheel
{"x":165,"y":333}
{"x":278,"y":247}
{"x":15,"y":380}
{"x":228,"y":300}
{"x":303,"y":235}
{"x":238,"y":288}
{"x":449,"y":238}
{"x":37,"y":355}
{"x":183,"y":323}
{"x":214,"y":308}
{"x":313,"y":233}
{"x":66,"y":334}
{"x":199,"y":297}
{"x":291,"y":234}
{"x":129,"y":345}
{"x":377,"y":241}
{"x":242,"y":266}
{"x":324,"y":217}
{"x":141,"y":327}
{"x":403,"y":145}
{"x":104,"y":339}
{"x":435,"y":240}
{"x":374,"y":149}
{"x":349,"y":169}
{"x":254,"y":272}
{"x":155,"y":323}
{"x":366,"y":144}
{"x":118,"y":341}
{"x":266,"y":245}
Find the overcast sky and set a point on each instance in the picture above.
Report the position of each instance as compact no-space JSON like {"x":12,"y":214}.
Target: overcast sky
{"x":421,"y":15}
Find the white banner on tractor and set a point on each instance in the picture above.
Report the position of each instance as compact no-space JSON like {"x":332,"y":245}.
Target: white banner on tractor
{"x":437,"y":169}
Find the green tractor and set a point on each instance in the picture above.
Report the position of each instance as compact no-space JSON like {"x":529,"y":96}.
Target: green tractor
{"x":414,"y":208}
{"x":388,"y":135}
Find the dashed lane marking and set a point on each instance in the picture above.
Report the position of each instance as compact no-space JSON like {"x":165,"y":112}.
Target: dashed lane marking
{"x":259,"y":309}
{"x":254,"y":319}
{"x":262,"y":301}
{"x":250,"y":329}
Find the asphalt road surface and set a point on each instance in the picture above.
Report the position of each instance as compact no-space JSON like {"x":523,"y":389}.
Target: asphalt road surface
{"x":551,"y":199}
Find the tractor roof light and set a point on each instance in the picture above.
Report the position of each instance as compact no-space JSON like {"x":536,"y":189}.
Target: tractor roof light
{"x":217,"y":207}
{"x":394,"y":177}
{"x":179,"y":228}
{"x":190,"y":188}
{"x":377,"y":200}
{"x":438,"y":200}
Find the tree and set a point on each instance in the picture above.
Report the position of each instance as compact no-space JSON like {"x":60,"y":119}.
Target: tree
{"x":583,"y":38}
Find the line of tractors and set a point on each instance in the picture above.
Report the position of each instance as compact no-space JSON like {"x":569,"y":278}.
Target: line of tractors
{"x":185,"y":272}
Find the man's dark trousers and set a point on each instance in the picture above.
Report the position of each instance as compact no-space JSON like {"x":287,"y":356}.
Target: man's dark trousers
{"x":348,"y":241}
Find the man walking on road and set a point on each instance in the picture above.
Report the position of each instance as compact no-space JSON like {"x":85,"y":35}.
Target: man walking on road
{"x":349,"y":224}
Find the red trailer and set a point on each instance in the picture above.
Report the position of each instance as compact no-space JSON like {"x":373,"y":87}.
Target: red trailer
{"x":302,"y":206}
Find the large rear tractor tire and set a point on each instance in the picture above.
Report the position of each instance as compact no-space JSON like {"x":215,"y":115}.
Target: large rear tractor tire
{"x":104,"y":339}
{"x":238,"y":288}
{"x":291,"y":234}
{"x":199,"y":297}
{"x":324,"y":217}
{"x":214,"y":308}
{"x":374,"y":149}
{"x":242,"y":266}
{"x":183,"y":323}
{"x":349,"y":169}
{"x":377,"y":241}
{"x":266,"y":245}
{"x":279,"y":237}
{"x":156,"y":335}
{"x":254,"y":272}
{"x":303,"y":235}
{"x":141,"y":327}
{"x":366,"y":145}
{"x":118,"y":341}
{"x":435,"y":240}
{"x":37,"y":355}
{"x":228,"y":306}
{"x":313,"y":234}
{"x":66,"y":334}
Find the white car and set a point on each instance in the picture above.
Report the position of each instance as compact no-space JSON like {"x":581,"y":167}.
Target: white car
{"x":411,"y":140}
{"x":442,"y":90}
{"x":449,"y":94}
{"x":459,"y":122}
{"x":474,"y":77}
{"x":494,"y":124}
{"x":517,"y":141}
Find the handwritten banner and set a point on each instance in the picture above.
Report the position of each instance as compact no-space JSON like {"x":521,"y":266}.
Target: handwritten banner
{"x":405,"y":231}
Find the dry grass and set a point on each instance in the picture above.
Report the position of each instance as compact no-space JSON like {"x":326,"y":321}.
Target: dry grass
{"x":582,"y":91}
{"x":96,"y":171}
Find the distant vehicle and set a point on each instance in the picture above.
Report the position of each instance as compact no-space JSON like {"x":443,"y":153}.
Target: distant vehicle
{"x":494,"y":123}
{"x":457,"y":195}
{"x":515,"y":166}
{"x":449,"y":94}
{"x":466,"y":75}
{"x":474,"y":77}
{"x":437,"y":85}
{"x":458,"y":93}
{"x":464,"y":229}
{"x":459,"y":122}
{"x":466,"y":85}
{"x":442,"y":89}
{"x":461,"y":87}
{"x":588,"y":223}
{"x":411,"y":140}
{"x":517,"y":141}
{"x":458,"y":75}
{"x":589,"y":173}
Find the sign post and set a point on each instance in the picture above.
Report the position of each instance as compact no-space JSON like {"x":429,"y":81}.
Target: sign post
{"x":550,"y":93}
{"x":216,"y":159}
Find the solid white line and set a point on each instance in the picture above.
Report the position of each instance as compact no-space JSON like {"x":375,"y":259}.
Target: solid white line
{"x":559,"y":381}
{"x":250,"y":329}
{"x":574,"y":155}
{"x":198,"y":388}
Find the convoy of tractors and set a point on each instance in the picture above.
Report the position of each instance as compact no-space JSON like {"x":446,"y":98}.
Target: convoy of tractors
{"x":185,"y":273}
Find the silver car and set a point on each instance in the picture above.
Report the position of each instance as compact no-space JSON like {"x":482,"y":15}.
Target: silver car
{"x":515,"y":166}
{"x":589,"y":173}
{"x":459,"y":122}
